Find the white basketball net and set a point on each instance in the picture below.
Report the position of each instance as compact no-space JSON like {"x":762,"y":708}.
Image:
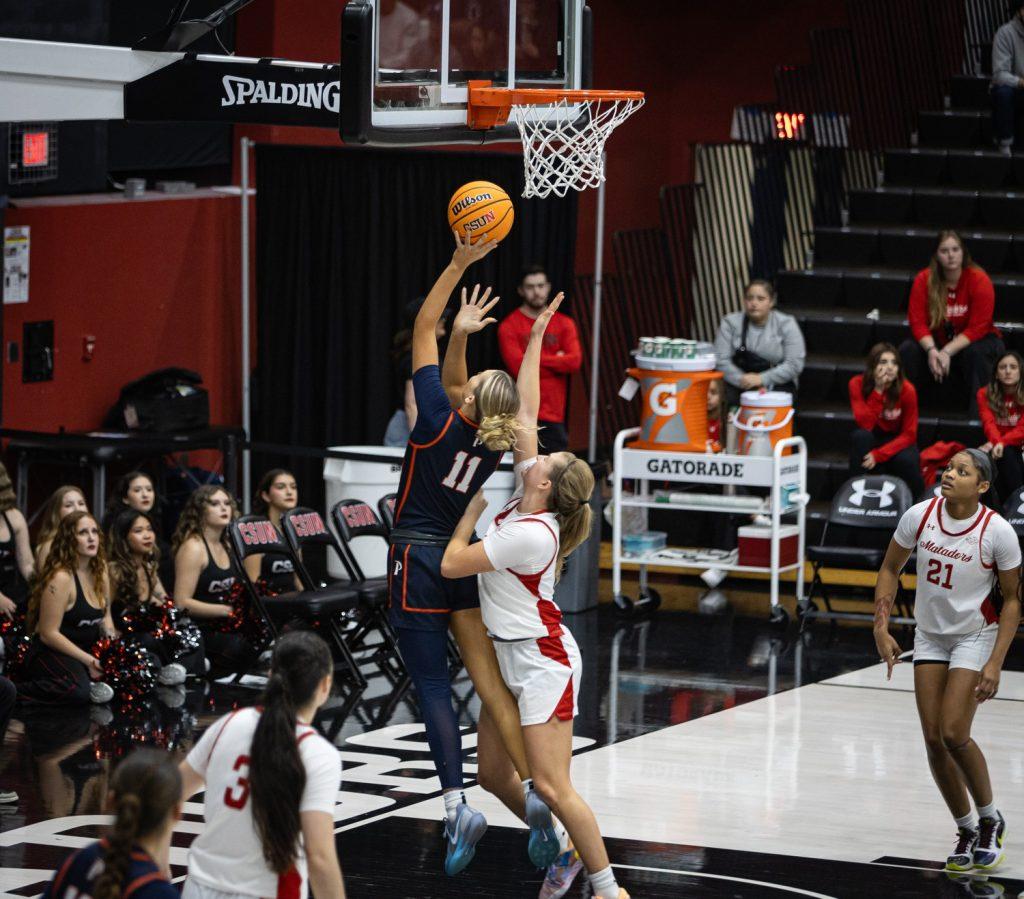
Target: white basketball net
{"x":563,"y":142}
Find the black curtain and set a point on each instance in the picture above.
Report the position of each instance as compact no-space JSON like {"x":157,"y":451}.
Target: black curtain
{"x":345,"y":238}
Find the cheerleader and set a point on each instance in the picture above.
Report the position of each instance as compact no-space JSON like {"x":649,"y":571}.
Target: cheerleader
{"x":965,"y":554}
{"x":133,"y":859}
{"x":135,"y":490}
{"x":205,"y":578}
{"x":1001,"y":408}
{"x":68,"y":612}
{"x":63,"y":501}
{"x":276,"y":494}
{"x":139,"y":600}
{"x":518,"y":563}
{"x":270,"y":786}
{"x":16,"y":563}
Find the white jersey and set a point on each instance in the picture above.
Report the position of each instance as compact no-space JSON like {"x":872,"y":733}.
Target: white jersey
{"x":516,"y":598}
{"x":957,"y":562}
{"x":228,"y":855}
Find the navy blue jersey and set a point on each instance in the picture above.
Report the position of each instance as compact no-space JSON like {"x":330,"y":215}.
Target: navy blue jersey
{"x":444,"y":466}
{"x":77,"y":876}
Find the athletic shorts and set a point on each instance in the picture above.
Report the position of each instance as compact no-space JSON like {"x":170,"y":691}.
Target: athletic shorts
{"x":958,"y":650}
{"x":418,"y":597}
{"x":543,"y":675}
{"x":193,"y":889}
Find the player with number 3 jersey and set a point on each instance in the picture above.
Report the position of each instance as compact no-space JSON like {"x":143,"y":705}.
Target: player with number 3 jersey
{"x":967,"y":555}
{"x":271,"y":786}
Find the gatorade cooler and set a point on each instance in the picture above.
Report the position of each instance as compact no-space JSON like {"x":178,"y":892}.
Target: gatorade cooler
{"x":675,"y":405}
{"x":763,"y":414}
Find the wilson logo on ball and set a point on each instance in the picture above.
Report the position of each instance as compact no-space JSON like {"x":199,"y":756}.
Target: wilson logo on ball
{"x":466,"y":202}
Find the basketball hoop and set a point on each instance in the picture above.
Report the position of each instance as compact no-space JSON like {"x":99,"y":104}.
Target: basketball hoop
{"x":563,"y":132}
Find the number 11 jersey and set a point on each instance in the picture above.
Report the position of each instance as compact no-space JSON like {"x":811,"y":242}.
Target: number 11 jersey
{"x":957,"y":565}
{"x":444,"y":465}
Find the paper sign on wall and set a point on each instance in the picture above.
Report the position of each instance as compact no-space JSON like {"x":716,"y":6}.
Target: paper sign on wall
{"x":16,"y":265}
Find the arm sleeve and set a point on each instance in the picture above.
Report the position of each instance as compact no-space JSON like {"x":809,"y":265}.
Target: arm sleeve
{"x":724,"y":349}
{"x":917,"y":309}
{"x":1002,"y":59}
{"x":511,"y":352}
{"x":906,"y":530}
{"x":983,"y":305}
{"x":572,"y":354}
{"x":793,"y":354}
{"x":526,"y":546}
{"x":1005,"y":545}
{"x":432,"y":406}
{"x":323,"y":776}
{"x":988,"y":418}
{"x":908,"y":427}
{"x":863,"y":412}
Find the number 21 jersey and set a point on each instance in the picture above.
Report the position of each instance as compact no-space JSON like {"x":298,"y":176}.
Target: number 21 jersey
{"x":444,"y":465}
{"x":957,"y":565}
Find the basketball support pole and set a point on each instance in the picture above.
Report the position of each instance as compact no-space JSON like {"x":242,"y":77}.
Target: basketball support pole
{"x":595,"y":346}
{"x":245,"y":498}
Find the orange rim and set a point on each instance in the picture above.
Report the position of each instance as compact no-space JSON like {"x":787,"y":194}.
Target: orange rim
{"x":490,"y":106}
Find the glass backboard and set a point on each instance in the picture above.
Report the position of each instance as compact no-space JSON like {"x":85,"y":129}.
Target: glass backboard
{"x":406,"y":63}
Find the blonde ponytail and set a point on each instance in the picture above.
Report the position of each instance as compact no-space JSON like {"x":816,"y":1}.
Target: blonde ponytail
{"x":571,"y":489}
{"x":497,"y":400}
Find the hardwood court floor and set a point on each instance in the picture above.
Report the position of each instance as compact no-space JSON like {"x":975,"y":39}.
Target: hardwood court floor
{"x":722,"y":759}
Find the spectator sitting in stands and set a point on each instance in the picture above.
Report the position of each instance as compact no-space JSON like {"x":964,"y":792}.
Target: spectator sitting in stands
{"x":62,"y":502}
{"x":1008,"y":79}
{"x":884,"y":407}
{"x":759,"y":347}
{"x":950,"y":314}
{"x":1001,"y":407}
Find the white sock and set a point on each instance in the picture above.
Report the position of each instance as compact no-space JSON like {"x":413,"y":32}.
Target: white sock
{"x":603,"y":884}
{"x":562,"y":834}
{"x":452,"y":800}
{"x":987,"y":811}
{"x":967,"y":822}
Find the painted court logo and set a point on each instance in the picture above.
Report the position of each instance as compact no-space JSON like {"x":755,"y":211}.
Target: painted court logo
{"x":860,"y":492}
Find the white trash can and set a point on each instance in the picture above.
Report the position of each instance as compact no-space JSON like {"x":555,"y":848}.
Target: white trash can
{"x":369,"y":472}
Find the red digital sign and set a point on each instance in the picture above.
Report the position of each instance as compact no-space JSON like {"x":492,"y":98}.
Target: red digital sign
{"x":789,"y":125}
{"x":35,"y":148}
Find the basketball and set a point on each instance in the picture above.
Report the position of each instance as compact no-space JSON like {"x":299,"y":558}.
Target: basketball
{"x":480,"y":208}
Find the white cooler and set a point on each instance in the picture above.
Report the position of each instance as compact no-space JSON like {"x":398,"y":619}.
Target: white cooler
{"x":369,"y":472}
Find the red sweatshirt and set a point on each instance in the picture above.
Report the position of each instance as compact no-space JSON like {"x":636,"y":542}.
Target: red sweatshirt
{"x":1006,"y":427}
{"x":560,"y":357}
{"x":899,"y":420}
{"x":969,"y":307}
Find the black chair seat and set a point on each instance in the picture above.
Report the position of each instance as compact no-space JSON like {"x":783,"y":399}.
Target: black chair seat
{"x":373,"y":592}
{"x":845,"y":556}
{"x":311,"y":603}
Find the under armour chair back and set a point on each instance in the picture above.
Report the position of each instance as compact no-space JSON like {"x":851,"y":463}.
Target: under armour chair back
{"x":1013,"y":511}
{"x":864,"y":514}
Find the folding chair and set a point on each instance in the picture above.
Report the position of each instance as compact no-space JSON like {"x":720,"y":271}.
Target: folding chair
{"x":318,"y":608}
{"x":386,"y":507}
{"x":863,"y":517}
{"x":354,"y":518}
{"x":304,"y":527}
